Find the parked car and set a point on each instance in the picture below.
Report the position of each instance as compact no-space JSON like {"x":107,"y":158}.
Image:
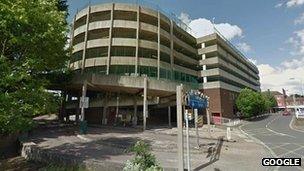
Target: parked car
{"x":299,"y":113}
{"x":286,"y":113}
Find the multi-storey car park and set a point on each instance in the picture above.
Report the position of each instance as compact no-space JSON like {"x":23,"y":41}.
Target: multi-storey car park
{"x":123,"y":51}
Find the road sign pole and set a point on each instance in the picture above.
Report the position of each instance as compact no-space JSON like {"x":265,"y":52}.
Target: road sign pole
{"x":187,"y":139}
{"x":180,"y":146}
{"x":208,"y":121}
{"x":196,"y":127}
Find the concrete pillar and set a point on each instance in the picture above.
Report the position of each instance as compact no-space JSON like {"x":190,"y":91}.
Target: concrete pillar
{"x":137,"y":42}
{"x":85,"y":39}
{"x":158,"y":46}
{"x":110,"y":40}
{"x":134,"y":118}
{"x":145,"y":106}
{"x":203,"y":45}
{"x":169,"y":116}
{"x":179,"y":117}
{"x":171,"y":49}
{"x":204,"y":69}
{"x":84,"y":93}
{"x":104,"y":111}
{"x":117,"y":108}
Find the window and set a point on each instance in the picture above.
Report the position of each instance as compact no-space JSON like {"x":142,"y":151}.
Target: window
{"x":165,"y":57}
{"x":123,"y":51}
{"x":125,"y":15}
{"x":122,"y":69}
{"x":96,"y":70}
{"x":148,"y":19}
{"x":148,"y":71}
{"x":146,"y":35}
{"x":76,"y":56}
{"x":124,"y":33}
{"x":96,"y":52}
{"x":78,"y":39}
{"x":147,"y":53}
{"x":80,"y":22}
{"x":98,"y":34}
{"x":100,"y":16}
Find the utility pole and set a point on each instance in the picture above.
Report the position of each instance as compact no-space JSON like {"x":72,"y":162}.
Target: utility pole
{"x":179,"y":113}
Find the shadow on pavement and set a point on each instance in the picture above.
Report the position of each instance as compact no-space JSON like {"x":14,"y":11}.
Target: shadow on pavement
{"x":213,"y":154}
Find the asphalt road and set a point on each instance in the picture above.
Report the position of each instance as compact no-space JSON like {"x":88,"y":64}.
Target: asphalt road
{"x":275,"y":132}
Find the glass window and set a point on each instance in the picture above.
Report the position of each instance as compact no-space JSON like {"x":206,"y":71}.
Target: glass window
{"x":122,"y":51}
{"x":125,"y":15}
{"x":100,"y":16}
{"x":76,"y":56}
{"x":98,"y":34}
{"x":96,"y":52}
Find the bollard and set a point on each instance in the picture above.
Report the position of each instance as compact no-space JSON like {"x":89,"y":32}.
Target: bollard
{"x":228,"y":133}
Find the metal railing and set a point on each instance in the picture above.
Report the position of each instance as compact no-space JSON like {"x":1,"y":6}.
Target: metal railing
{"x":146,"y":4}
{"x":233,"y":47}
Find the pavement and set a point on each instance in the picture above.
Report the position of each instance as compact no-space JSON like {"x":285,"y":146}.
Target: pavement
{"x":108,"y":145}
{"x":277,"y":133}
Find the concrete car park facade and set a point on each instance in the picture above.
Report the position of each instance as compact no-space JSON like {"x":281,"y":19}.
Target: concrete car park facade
{"x":122,"y":49}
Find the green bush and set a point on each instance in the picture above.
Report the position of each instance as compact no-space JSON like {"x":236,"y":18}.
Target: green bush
{"x":144,"y":160}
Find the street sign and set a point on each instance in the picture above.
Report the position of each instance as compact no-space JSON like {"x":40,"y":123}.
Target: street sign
{"x":84,"y":102}
{"x":196,"y":100}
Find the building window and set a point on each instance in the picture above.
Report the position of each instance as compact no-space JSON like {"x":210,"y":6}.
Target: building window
{"x":98,"y":34}
{"x":96,"y":70}
{"x":78,"y":39}
{"x":165,"y":57}
{"x":76,"y":56}
{"x":147,"y":53}
{"x":124,"y":33}
{"x":100,"y":16}
{"x":148,"y":71}
{"x":125,"y":15}
{"x":80,"y":22}
{"x":123,"y":51}
{"x":96,"y":52}
{"x":122,"y":69}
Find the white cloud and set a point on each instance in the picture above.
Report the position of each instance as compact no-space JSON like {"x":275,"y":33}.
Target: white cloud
{"x":294,"y":3}
{"x":276,"y":78}
{"x":297,"y":40}
{"x":278,"y":5}
{"x":300,"y":19}
{"x":202,"y":27}
{"x":244,"y":47}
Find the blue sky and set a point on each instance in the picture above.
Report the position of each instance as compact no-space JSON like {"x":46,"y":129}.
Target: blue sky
{"x":265,"y":30}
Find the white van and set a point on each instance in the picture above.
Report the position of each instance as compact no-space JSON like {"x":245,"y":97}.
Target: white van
{"x":299,"y":113}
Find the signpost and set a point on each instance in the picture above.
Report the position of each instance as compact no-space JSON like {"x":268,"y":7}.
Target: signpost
{"x":195,"y":100}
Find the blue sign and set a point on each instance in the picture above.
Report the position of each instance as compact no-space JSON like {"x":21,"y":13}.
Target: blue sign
{"x":197,"y":102}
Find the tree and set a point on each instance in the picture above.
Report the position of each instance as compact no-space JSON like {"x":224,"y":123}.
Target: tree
{"x":32,"y":42}
{"x":250,"y":103}
{"x":270,"y":101}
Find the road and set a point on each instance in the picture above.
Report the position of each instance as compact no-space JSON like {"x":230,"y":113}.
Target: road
{"x":274,"y":131}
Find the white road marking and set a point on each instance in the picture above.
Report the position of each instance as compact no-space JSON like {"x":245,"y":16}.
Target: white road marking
{"x":290,"y":151}
{"x":290,"y":125}
{"x":278,"y":133}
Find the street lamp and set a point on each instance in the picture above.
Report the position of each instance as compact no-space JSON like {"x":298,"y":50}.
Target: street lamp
{"x":301,"y":81}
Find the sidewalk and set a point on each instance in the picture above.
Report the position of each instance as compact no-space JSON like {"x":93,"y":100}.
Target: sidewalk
{"x":105,"y":148}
